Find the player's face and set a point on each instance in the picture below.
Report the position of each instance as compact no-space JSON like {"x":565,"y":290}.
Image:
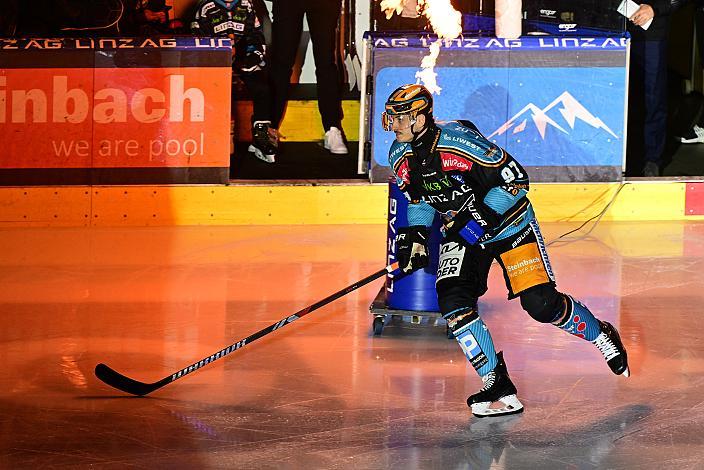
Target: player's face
{"x":402,"y":125}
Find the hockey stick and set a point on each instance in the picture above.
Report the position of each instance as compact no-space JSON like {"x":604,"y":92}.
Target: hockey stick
{"x":356,"y":63}
{"x":345,"y":24}
{"x":135,"y":387}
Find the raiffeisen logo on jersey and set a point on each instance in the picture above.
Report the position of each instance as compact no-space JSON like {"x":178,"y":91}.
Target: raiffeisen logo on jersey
{"x":62,"y":100}
{"x":564,"y":108}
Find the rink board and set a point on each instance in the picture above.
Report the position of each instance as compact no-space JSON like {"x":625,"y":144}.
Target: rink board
{"x":267,"y":204}
{"x":82,"y":111}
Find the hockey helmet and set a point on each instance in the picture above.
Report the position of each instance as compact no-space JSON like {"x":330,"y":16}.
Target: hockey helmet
{"x":412,"y":99}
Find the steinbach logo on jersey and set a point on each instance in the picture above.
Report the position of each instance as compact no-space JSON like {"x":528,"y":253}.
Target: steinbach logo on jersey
{"x":453,"y":162}
{"x":569,"y":108}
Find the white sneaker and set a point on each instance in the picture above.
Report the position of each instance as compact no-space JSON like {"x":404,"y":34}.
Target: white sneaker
{"x":334,"y":141}
{"x":694,"y":136}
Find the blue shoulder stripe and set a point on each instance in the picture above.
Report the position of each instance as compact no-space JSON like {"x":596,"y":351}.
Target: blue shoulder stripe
{"x":492,"y":158}
{"x":466,"y":142}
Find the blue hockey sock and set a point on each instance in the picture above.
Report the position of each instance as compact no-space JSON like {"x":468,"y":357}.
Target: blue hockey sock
{"x":475,"y":340}
{"x":578,"y":320}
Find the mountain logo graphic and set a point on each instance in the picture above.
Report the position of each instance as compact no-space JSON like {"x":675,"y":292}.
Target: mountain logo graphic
{"x":570,"y":108}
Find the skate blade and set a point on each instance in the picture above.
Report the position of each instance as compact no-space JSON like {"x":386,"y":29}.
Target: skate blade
{"x":260,"y":155}
{"x":627,"y":372}
{"x":512,"y":405}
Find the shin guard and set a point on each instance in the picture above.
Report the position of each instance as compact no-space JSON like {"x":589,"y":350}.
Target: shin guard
{"x":578,"y":320}
{"x":474,"y":338}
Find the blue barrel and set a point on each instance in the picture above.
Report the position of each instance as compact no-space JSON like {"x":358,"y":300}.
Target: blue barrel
{"x":415,"y":291}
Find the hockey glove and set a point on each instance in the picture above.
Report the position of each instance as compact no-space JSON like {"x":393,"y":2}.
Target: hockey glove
{"x":473,"y":225}
{"x":253,"y":61}
{"x":412,"y":248}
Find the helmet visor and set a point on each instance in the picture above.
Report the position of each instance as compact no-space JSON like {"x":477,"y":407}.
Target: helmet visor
{"x":402,"y":121}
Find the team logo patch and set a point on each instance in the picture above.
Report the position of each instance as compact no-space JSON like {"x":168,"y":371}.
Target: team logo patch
{"x":470,"y":345}
{"x":403,"y":172}
{"x":453,"y":162}
{"x":450,"y":260}
{"x":472,"y":350}
{"x":490,"y":152}
{"x":524,"y":267}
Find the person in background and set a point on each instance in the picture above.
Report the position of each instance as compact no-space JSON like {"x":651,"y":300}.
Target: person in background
{"x":152,"y":18}
{"x":287,"y":28}
{"x":648,"y":82}
{"x":238,"y":21}
{"x":8,"y":19}
{"x":696,"y":133}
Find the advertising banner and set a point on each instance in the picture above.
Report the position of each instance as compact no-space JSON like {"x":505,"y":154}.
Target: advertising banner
{"x":556,"y":104}
{"x":114,"y":111}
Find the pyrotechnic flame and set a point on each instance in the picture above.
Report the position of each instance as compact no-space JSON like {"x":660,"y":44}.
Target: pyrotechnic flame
{"x":445,"y":21}
{"x":389,"y":7}
{"x":429,"y":60}
{"x":427,"y":73}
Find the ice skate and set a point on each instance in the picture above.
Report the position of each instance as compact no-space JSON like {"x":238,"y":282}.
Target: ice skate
{"x":498,"y":395}
{"x":261,"y":145}
{"x":610,"y":345}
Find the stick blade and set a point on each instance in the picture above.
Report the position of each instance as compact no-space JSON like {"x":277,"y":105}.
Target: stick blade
{"x":351,"y":76}
{"x":121,"y":382}
{"x":357,"y":67}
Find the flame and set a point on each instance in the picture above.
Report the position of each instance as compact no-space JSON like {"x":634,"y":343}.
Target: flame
{"x":389,"y":7}
{"x":445,"y":21}
{"x":427,"y":73}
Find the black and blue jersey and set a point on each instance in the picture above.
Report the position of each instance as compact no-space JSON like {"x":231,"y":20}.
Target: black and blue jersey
{"x":453,"y":167}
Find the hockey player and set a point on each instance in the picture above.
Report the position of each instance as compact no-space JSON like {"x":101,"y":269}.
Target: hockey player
{"x":480,"y":191}
{"x":238,"y":20}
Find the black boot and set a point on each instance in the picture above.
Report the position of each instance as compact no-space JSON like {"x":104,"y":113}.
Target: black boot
{"x":497,"y":388}
{"x":610,"y":345}
{"x":261,"y":145}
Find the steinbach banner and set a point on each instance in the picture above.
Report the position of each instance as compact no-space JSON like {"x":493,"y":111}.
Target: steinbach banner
{"x":128,"y":110}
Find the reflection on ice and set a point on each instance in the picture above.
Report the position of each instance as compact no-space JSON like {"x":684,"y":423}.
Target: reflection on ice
{"x":325,"y":392}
